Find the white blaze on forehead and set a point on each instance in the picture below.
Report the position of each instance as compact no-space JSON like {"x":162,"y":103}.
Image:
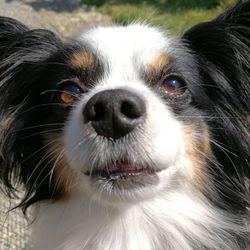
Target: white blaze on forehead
{"x":128,"y":47}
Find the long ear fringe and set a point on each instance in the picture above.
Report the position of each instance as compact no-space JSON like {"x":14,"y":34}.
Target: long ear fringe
{"x":10,"y":31}
{"x":223,"y":45}
{"x":238,"y":14}
{"x":7,"y":162}
{"x":23,"y":53}
{"x":223,"y":48}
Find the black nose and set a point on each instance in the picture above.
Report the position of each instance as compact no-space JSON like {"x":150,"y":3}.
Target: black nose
{"x":114,"y":113}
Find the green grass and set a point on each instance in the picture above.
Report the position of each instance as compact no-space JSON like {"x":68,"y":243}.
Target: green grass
{"x":174,"y":15}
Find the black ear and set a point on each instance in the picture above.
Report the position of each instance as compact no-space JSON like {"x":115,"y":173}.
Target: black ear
{"x":22,"y":51}
{"x":10,"y":31}
{"x":225,"y":41}
{"x":222,"y":49}
{"x":224,"y":45}
{"x":23,"y":55}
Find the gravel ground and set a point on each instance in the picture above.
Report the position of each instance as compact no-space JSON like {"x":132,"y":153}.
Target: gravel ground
{"x":14,"y":230}
{"x":67,"y":18}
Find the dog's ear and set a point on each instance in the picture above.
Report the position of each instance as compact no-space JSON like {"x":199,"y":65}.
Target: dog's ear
{"x":222,"y":48}
{"x":223,"y":44}
{"x":23,"y":55}
{"x":22,"y":51}
{"x":10,"y":31}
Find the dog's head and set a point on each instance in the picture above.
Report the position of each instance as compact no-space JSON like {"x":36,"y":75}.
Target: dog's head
{"x":125,"y":113}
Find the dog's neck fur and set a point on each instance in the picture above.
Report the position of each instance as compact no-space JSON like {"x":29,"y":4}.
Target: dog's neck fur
{"x":172,"y":221}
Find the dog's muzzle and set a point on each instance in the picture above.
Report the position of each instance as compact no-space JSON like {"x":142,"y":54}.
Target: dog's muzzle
{"x":114,"y":114}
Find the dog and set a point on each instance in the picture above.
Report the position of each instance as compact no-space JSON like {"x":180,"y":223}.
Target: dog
{"x":126,"y":138}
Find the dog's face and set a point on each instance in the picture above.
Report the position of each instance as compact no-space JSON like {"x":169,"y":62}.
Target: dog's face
{"x":131,"y":134}
{"x":121,"y":114}
{"x":114,"y":117}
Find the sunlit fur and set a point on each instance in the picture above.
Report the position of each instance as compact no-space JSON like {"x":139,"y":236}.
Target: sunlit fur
{"x":196,"y":141}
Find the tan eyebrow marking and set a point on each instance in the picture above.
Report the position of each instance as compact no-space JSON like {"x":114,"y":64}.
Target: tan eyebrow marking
{"x":82,"y":60}
{"x":159,"y":62}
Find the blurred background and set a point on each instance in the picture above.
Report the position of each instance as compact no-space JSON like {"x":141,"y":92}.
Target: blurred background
{"x":69,"y":17}
{"x":174,"y":15}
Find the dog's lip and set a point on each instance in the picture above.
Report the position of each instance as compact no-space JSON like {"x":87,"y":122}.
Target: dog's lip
{"x":125,"y":175}
{"x":119,"y":168}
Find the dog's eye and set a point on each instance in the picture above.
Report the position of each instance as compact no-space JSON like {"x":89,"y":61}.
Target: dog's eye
{"x":69,"y":93}
{"x":173,"y":85}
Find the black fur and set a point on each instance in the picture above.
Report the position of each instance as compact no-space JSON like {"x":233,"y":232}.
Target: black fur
{"x":24,"y":69}
{"x":33,"y":63}
{"x":222,"y":48}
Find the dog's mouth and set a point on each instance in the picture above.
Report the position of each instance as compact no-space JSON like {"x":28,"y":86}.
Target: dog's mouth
{"x":125,"y":175}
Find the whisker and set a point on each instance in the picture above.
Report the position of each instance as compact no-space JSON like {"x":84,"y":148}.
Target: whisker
{"x":208,"y":117}
{"x":59,"y":157}
{"x":51,"y":158}
{"x":221,"y":146}
{"x":227,"y":152}
{"x":215,"y":164}
{"x":38,"y":126}
{"x":46,"y":155}
{"x":41,"y":133}
{"x":59,"y":91}
{"x":37,"y":151}
{"x":44,"y":105}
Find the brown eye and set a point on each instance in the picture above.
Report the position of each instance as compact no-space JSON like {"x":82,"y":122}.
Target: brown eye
{"x":69,"y":93}
{"x":173,"y":85}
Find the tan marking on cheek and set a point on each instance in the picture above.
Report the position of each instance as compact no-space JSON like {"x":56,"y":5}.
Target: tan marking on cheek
{"x":159,"y":62}
{"x":82,"y":60}
{"x":206,"y":142}
{"x":198,"y":151}
{"x":63,"y":175}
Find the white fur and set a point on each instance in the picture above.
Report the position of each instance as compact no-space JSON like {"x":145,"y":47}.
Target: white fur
{"x":173,"y":220}
{"x":170,"y":215}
